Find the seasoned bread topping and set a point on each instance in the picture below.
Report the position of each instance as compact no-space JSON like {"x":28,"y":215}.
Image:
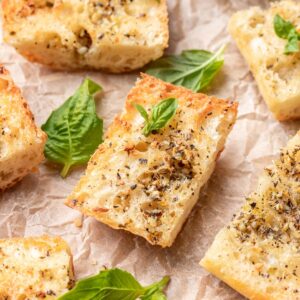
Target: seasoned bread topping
{"x":35,"y":268}
{"x":114,"y":35}
{"x":258,"y":252}
{"x":148,"y":185}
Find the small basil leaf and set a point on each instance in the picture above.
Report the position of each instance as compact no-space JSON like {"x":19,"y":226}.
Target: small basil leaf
{"x":161,"y":114}
{"x":293,"y":44}
{"x":282,"y":27}
{"x":286,"y":30}
{"x":193,"y":69}
{"x":74,"y":130}
{"x":114,"y":284}
{"x":142,"y":111}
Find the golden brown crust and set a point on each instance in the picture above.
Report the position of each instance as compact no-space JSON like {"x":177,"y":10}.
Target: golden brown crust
{"x":21,"y":140}
{"x":257,"y":254}
{"x":240,"y":286}
{"x":116,"y":36}
{"x":148,"y":185}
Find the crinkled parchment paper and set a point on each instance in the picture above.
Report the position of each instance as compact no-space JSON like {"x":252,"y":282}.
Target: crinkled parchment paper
{"x":35,"y":206}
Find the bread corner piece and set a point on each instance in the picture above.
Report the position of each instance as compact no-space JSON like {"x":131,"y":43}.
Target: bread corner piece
{"x":116,"y":36}
{"x":257,"y":254}
{"x":277,"y":75}
{"x":149,"y":185}
{"x":35,"y":268}
{"x":21,"y":142}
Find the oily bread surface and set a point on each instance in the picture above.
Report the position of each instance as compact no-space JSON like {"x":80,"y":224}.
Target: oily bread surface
{"x":116,"y":36}
{"x":277,"y":75}
{"x":257,"y":254}
{"x":148,"y":185}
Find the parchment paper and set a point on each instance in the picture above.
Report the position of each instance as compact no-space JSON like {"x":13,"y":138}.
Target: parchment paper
{"x":35,"y":206}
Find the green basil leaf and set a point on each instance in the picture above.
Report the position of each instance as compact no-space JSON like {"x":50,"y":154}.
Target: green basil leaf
{"x":293,"y":44}
{"x":193,"y":69}
{"x":157,"y":296}
{"x":142,"y":111}
{"x":74,"y":130}
{"x":114,"y":284}
{"x":155,"y":291}
{"x":161,"y":114}
{"x":286,"y":30}
{"x":282,"y":27}
{"x":147,"y":129}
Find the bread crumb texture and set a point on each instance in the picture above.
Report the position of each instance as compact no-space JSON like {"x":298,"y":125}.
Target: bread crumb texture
{"x":35,"y":268}
{"x":21,"y":142}
{"x":148,"y":185}
{"x":258,"y":252}
{"x":114,"y":35}
{"x":277,"y":75}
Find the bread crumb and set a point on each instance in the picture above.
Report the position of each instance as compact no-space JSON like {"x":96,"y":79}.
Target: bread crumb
{"x":78,"y":222}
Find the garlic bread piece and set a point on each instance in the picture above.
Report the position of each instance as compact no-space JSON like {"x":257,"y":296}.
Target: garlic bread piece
{"x":149,"y":185}
{"x":257,"y":254}
{"x":113,"y":35}
{"x":35,"y":268}
{"x":21,"y":141}
{"x":277,"y":74}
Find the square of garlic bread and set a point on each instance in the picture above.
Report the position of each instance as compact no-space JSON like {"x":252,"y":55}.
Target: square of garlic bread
{"x":277,"y":74}
{"x":21,"y":141}
{"x":112,"y":35}
{"x":35,"y":268}
{"x":257,"y":254}
{"x":149,"y":185}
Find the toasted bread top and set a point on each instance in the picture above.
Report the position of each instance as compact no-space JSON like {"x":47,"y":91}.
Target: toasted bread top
{"x":135,"y":22}
{"x":148,"y":185}
{"x":112,"y":35}
{"x":276,"y":73}
{"x":258,"y":253}
{"x":254,"y":28}
{"x":35,"y":268}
